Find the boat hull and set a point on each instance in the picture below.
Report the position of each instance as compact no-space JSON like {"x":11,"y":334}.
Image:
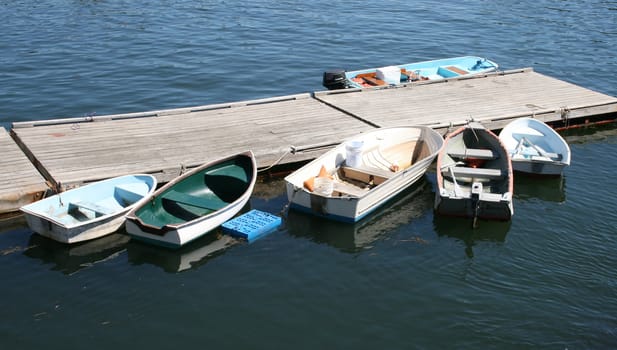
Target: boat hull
{"x":163,"y":220}
{"x":538,"y":167}
{"x":61,"y":233}
{"x":182,"y":234}
{"x":500,"y":208}
{"x":352,"y":208}
{"x":57,"y":217}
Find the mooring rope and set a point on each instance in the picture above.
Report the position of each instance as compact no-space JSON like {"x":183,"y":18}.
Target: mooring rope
{"x":276,"y":162}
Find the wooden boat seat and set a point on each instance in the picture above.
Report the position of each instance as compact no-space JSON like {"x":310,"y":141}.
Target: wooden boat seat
{"x":374,"y":81}
{"x":366,"y":174}
{"x":476,"y":173}
{"x":474,"y":153}
{"x":346,"y":189}
{"x":93,"y":207}
{"x":212,"y":203}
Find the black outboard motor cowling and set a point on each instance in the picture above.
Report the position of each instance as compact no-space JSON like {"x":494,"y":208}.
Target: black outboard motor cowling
{"x":334,"y":79}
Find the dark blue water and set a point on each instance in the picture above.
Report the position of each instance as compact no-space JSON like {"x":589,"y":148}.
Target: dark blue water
{"x":403,"y":278}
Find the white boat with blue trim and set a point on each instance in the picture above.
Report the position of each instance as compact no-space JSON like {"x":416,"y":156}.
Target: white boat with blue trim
{"x":535,"y":147}
{"x":89,"y":211}
{"x":356,"y":177}
{"x":410,"y":72}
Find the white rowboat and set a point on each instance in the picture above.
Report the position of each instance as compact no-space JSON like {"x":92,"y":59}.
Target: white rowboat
{"x":356,"y":177}
{"x":535,"y":148}
{"x":90,"y":211}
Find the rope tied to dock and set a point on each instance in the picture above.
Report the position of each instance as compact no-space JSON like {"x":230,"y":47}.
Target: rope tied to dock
{"x":564,"y":112}
{"x":276,"y":162}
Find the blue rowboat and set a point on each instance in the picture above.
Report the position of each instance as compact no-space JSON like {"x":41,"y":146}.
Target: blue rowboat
{"x":90,"y":211}
{"x":440,"y":69}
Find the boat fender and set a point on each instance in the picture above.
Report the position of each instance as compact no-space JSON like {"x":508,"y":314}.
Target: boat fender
{"x":323,"y":172}
{"x":309,"y":183}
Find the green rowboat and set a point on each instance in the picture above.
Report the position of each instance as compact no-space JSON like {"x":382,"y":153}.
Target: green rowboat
{"x":196,"y":202}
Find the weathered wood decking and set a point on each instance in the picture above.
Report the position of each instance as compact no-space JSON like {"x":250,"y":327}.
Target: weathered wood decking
{"x":73,"y":151}
{"x":493,"y":100}
{"x":20,"y":182}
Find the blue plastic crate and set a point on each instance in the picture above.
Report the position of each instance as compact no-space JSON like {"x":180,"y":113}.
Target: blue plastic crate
{"x":252,"y":225}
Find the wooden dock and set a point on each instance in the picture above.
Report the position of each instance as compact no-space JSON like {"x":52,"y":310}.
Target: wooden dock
{"x":20,"y":182}
{"x":73,"y":151}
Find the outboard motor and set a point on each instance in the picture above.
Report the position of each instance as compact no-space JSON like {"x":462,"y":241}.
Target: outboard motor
{"x":334,"y":79}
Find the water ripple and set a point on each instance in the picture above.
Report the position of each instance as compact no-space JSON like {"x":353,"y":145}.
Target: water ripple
{"x":403,"y":279}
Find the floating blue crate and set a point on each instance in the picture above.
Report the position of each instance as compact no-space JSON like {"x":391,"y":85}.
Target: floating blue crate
{"x":251,"y":225}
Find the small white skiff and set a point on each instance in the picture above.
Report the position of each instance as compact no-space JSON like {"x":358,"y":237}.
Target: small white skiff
{"x":90,"y":211}
{"x":535,"y":148}
{"x":359,"y":175}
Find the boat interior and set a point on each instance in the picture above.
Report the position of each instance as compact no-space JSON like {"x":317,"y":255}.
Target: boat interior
{"x":475,"y":163}
{"x":534,"y":146}
{"x":370,"y":79}
{"x":377,"y":166}
{"x":123,"y":196}
{"x":200,"y":194}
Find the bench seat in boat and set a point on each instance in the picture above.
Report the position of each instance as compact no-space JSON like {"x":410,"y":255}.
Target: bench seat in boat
{"x":474,"y":153}
{"x":478,"y":173}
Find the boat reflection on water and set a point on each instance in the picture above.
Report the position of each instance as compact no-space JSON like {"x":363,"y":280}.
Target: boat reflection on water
{"x":269,"y":196}
{"x":69,"y":259}
{"x":189,"y":256}
{"x":550,"y":189}
{"x":462,"y":229}
{"x":409,"y":204}
{"x":590,"y":133}
{"x":11,"y":222}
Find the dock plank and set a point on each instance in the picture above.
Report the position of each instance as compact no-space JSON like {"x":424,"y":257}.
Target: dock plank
{"x":20,"y":182}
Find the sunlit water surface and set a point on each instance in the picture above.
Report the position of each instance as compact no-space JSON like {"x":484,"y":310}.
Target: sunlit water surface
{"x":403,"y":278}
